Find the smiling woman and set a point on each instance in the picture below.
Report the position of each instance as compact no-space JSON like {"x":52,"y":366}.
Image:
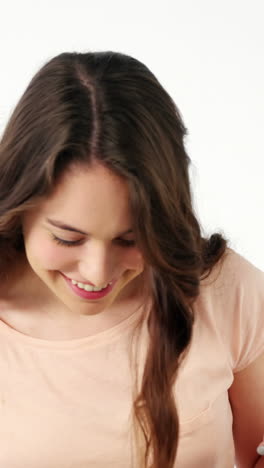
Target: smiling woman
{"x":137,"y":336}
{"x":101,"y":258}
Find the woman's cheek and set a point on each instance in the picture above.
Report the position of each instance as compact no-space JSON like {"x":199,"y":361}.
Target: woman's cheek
{"x":135,"y":259}
{"x":49,"y":255}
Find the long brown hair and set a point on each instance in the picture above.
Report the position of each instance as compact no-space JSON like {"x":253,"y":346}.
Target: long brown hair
{"x":108,"y":107}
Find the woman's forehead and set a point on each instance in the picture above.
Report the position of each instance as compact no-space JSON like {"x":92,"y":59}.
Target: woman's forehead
{"x":94,"y":178}
{"x":89,"y":198}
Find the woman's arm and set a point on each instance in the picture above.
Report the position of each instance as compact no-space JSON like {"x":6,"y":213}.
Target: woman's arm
{"x":246,"y":397}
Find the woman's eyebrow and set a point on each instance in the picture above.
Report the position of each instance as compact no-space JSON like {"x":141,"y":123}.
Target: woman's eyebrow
{"x":67,"y":227}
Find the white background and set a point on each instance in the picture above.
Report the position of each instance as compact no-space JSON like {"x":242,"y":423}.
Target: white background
{"x":208,"y":55}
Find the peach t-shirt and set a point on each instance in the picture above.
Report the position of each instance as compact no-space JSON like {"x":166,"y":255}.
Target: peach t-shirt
{"x":67,"y":404}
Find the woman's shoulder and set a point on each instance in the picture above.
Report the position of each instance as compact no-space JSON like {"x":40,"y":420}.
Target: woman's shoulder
{"x":232,"y":303}
{"x":232,"y":271}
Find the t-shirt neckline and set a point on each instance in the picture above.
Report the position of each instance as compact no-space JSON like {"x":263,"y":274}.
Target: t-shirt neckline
{"x":97,"y":339}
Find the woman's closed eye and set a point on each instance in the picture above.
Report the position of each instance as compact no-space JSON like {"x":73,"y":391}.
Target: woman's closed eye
{"x":67,"y":243}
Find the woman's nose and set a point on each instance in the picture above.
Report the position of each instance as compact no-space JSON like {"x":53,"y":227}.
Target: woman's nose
{"x":97,"y":267}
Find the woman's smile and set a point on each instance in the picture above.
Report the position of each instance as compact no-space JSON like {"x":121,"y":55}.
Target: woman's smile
{"x":88,"y":294}
{"x":86,"y":283}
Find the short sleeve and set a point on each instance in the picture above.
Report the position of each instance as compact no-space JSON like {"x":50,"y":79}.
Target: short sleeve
{"x":238,"y":295}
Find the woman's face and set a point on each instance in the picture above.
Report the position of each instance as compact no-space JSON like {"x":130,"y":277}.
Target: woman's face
{"x":89,"y":211}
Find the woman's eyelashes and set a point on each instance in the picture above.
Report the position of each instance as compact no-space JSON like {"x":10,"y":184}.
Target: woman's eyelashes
{"x":66,"y":243}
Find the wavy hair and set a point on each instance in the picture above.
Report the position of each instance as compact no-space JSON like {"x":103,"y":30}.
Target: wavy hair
{"x":108,"y":107}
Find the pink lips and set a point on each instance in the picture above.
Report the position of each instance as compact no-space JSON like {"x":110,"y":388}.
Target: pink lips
{"x":88,"y":294}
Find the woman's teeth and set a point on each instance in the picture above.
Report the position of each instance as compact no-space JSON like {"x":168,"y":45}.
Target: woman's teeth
{"x":88,"y":287}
